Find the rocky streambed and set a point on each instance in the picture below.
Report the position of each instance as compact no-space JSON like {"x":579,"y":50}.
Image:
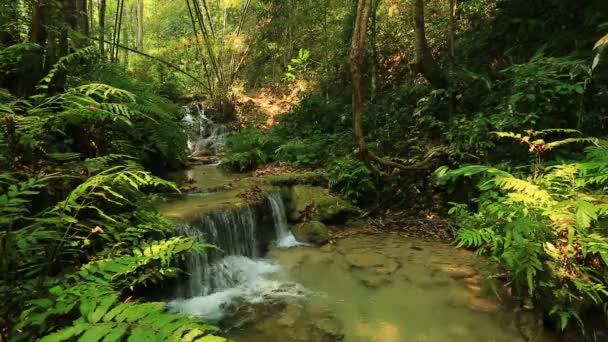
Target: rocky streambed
{"x":386,"y":287}
{"x":361,"y":287}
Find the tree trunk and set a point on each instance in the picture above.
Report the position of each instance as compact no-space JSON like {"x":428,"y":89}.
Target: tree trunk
{"x":102,"y":28}
{"x":374,"y":50}
{"x":424,"y":63}
{"x":357,"y":55}
{"x":140,"y":25}
{"x":452,"y":28}
{"x":38,"y":25}
{"x":83,"y":17}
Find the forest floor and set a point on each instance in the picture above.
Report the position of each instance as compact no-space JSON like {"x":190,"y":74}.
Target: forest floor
{"x":264,"y":105}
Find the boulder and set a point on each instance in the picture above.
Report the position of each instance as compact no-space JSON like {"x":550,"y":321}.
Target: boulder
{"x":311,"y":232}
{"x":317,"y":204}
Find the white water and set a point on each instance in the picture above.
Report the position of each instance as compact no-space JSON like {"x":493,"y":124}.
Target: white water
{"x":232,"y":231}
{"x":247,"y":281}
{"x":205,"y":136}
{"x":285,"y":238}
{"x":235,"y":276}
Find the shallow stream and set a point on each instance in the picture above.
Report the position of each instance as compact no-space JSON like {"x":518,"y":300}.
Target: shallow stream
{"x":263,"y":286}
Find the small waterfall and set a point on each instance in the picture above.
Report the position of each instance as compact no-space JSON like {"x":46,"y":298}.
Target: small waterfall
{"x":235,"y":273}
{"x":284,"y":237}
{"x":233,"y":232}
{"x":205,"y":137}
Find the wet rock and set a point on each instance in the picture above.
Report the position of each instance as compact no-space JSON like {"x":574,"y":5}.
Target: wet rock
{"x":459,"y":271}
{"x":298,"y":323}
{"x":530,"y":325}
{"x":330,"y":328}
{"x":473,"y":298}
{"x":201,"y":153}
{"x":373,"y":270}
{"x":315,"y":203}
{"x":203,"y":160}
{"x":483,"y":304}
{"x":366,"y":260}
{"x":311,"y":232}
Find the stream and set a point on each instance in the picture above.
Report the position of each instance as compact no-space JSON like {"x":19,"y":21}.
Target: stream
{"x":263,"y":285}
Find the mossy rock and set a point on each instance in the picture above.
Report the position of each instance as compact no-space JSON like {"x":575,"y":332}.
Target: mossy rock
{"x":317,"y":204}
{"x":311,"y":232}
{"x":293,"y":178}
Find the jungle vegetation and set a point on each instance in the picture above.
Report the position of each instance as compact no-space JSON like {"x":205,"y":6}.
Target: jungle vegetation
{"x":493,"y":112}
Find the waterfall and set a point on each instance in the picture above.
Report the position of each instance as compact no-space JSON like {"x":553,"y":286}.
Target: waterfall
{"x":234,"y":273}
{"x":205,"y":137}
{"x":233,"y":232}
{"x":284,"y":237}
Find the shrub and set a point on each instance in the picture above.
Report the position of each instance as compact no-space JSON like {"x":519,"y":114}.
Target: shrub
{"x":351,"y":178}
{"x":548,"y":229}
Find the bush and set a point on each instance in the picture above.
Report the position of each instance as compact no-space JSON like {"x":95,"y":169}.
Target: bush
{"x":548,"y":228}
{"x":249,"y":149}
{"x":351,"y":178}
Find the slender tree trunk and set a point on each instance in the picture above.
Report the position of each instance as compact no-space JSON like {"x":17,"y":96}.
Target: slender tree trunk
{"x":83,"y":17}
{"x":357,"y":55}
{"x":374,"y":50}
{"x":140,"y":25}
{"x":38,"y":26}
{"x":120,"y":13}
{"x":452,"y":28}
{"x":424,"y":62}
{"x":91,"y":16}
{"x":102,"y":28}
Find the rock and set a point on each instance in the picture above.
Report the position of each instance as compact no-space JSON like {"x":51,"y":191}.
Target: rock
{"x":330,"y":328}
{"x":317,"y":204}
{"x":459,"y":271}
{"x":201,"y":153}
{"x":365,"y":260}
{"x":355,"y":222}
{"x":483,"y":304}
{"x":372,"y":269}
{"x":204,"y":160}
{"x":530,"y":325}
{"x":312,"y":232}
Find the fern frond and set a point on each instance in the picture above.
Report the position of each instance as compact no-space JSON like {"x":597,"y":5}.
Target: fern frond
{"x":63,"y":64}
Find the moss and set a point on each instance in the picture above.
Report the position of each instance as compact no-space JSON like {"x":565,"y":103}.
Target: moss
{"x":312,"y":232}
{"x":316,"y":204}
{"x":292,"y":178}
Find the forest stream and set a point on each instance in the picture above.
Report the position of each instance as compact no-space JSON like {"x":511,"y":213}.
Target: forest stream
{"x":264,"y":286}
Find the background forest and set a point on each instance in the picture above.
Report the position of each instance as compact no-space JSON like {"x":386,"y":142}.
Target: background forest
{"x":489,"y":113}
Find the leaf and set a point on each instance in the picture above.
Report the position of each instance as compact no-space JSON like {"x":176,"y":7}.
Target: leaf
{"x":96,"y":333}
{"x":585,"y":214}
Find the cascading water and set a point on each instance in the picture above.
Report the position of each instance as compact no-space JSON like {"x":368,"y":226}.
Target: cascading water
{"x":285,"y":238}
{"x":231,"y":231}
{"x":205,"y":137}
{"x":234,"y":273}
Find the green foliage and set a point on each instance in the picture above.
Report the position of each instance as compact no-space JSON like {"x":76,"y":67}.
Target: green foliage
{"x":352,"y":178}
{"x":93,"y":222}
{"x":298,"y":65}
{"x":548,"y":230}
{"x":64,"y":63}
{"x":249,"y":149}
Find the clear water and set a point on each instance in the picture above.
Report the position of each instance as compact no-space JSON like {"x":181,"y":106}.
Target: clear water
{"x":362,"y":288}
{"x":385,"y":288}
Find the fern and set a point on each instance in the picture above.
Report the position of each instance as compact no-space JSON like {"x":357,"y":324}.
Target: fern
{"x":549,"y":226}
{"x":63,"y":64}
